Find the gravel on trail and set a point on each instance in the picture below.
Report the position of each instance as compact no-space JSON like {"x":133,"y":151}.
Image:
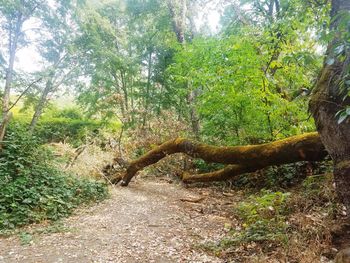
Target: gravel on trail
{"x":145,"y":222}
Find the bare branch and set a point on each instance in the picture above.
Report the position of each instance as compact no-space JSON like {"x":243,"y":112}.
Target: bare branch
{"x":23,"y":93}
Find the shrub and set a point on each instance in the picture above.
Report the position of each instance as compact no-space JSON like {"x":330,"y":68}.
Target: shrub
{"x":68,"y":113}
{"x":69,"y":125}
{"x":75,"y":131}
{"x":31,"y":189}
{"x":283,"y":176}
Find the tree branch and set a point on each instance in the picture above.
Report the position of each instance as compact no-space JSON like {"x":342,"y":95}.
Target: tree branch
{"x":23,"y":93}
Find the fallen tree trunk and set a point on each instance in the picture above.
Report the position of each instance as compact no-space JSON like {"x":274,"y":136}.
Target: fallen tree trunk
{"x":244,"y":159}
{"x":229,"y":172}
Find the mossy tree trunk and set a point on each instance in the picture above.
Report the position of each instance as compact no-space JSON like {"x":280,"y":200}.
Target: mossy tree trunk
{"x":329,"y":98}
{"x":242,"y":159}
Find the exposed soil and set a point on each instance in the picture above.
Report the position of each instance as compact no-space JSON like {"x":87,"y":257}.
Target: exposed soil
{"x":341,"y":236}
{"x":145,"y":222}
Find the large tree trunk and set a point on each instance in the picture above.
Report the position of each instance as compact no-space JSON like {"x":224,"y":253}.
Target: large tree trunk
{"x":328,"y":99}
{"x":306,"y":147}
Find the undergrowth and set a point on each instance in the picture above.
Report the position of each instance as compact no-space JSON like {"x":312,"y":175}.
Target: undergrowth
{"x":263,"y":217}
{"x":293,"y":223}
{"x":33,"y":190}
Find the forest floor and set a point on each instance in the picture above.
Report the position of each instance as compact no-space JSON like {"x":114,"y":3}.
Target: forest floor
{"x":146,"y":222}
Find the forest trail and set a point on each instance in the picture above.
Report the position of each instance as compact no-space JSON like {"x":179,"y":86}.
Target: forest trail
{"x":145,"y":222}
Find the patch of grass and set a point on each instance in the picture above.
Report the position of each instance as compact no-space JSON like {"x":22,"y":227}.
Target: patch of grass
{"x":55,"y":227}
{"x":25,"y":238}
{"x":28,"y":235}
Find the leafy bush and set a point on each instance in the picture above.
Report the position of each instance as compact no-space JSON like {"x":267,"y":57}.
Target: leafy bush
{"x":68,"y":124}
{"x":69,"y":113}
{"x":31,"y":189}
{"x":75,"y":131}
{"x":282,"y":176}
{"x":288,"y":175}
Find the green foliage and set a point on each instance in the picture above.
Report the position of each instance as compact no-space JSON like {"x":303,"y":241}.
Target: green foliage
{"x":127,"y":46}
{"x":25,"y":238}
{"x":285,"y":175}
{"x":68,"y":113}
{"x":274,"y":177}
{"x":68,"y":124}
{"x":32,"y":190}
{"x":237,"y":94}
{"x":264,"y":218}
{"x":204,"y":167}
{"x":282,"y":176}
{"x":75,"y":131}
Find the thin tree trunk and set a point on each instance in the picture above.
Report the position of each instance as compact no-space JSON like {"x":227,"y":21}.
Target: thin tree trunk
{"x":178,"y":11}
{"x":119,"y":101}
{"x":191,"y":98}
{"x":178,"y":14}
{"x":126,"y":95}
{"x":125,"y":91}
{"x":13,"y":43}
{"x":270,"y":12}
{"x":41,"y":104}
{"x":148,"y":88}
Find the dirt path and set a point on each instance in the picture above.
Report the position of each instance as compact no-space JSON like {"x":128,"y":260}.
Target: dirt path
{"x":145,"y":222}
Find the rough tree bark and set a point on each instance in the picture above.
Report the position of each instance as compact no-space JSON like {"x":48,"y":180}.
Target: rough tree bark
{"x":306,"y":147}
{"x":328,"y":99}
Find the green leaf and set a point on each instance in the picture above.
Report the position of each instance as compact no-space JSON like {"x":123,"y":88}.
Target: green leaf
{"x":339,"y":49}
{"x":330,"y":61}
{"x":348,"y":111}
{"x":342,"y":117}
{"x":27,"y":201}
